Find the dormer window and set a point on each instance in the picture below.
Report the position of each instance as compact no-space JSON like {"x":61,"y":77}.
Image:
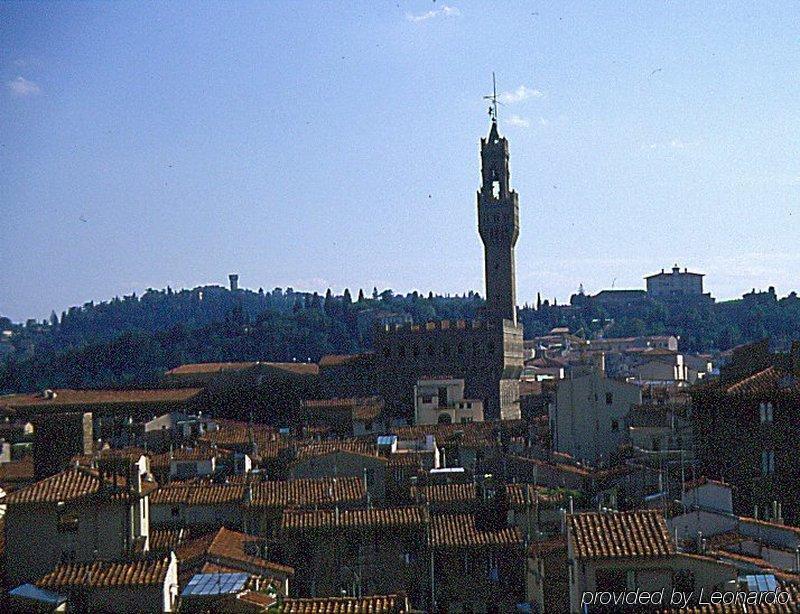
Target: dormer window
{"x":765,"y":412}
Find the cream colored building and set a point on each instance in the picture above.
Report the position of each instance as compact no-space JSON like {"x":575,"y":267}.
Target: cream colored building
{"x":588,"y":418}
{"x":619,"y":552}
{"x":78,"y":515}
{"x":441,"y":401}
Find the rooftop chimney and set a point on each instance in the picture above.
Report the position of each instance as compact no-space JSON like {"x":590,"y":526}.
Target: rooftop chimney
{"x":234,"y":279}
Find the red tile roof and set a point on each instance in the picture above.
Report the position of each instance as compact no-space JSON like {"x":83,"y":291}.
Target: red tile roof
{"x":459,"y":531}
{"x":342,"y":605}
{"x":198,"y":453}
{"x":296,"y":493}
{"x":211,"y":367}
{"x":105,"y":574}
{"x":201,"y":493}
{"x":336,"y":360}
{"x":73,"y":483}
{"x":164,"y":540}
{"x":764,"y":382}
{"x":228,"y":548}
{"x":444,"y":493}
{"x":374,"y":517}
{"x":87,"y":398}
{"x":365,"y":408}
{"x":309,"y":492}
{"x":202,"y":368}
{"x":232,"y":435}
{"x":640,"y":533}
{"x":320,"y":448}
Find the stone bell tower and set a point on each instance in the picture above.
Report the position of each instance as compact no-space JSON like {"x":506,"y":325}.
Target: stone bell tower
{"x":498,"y":225}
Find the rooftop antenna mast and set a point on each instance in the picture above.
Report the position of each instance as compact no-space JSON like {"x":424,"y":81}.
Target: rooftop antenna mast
{"x":494,"y":101}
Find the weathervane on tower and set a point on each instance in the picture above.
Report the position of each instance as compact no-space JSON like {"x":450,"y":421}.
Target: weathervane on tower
{"x":493,"y":98}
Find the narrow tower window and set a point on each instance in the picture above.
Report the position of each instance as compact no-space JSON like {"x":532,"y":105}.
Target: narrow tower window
{"x":495,"y":189}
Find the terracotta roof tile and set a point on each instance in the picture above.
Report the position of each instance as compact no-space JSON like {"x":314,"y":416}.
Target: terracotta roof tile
{"x":104,"y":574}
{"x":444,"y":493}
{"x":230,"y":549}
{"x":467,"y":492}
{"x":198,"y":453}
{"x":364,"y":408}
{"x":327,"y":519}
{"x":640,"y":533}
{"x":203,"y":368}
{"x":411,"y":458}
{"x":201,"y":493}
{"x":336,"y":360}
{"x":764,"y":382}
{"x":236,"y":435}
{"x":73,"y":483}
{"x":210,"y":367}
{"x":163,"y":540}
{"x":342,"y":605}
{"x":295,"y":493}
{"x":320,"y":448}
{"x":99,"y":397}
{"x":308,"y":492}
{"x":459,"y":531}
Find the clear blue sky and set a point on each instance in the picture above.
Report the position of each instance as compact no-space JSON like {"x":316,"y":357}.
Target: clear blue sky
{"x":314,"y":144}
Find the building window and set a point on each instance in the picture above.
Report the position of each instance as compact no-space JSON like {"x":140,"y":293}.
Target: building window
{"x":492,"y":568}
{"x":175,"y":511}
{"x":767,"y":462}
{"x":615,"y":425}
{"x":765,"y":411}
{"x":427,"y":399}
{"x":609,"y":398}
{"x":442,"y":396}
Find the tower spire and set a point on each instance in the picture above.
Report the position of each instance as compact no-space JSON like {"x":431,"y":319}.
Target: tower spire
{"x":493,"y":99}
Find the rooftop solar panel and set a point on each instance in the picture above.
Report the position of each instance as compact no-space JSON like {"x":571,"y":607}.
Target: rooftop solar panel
{"x":761,"y":583}
{"x":215,"y":584}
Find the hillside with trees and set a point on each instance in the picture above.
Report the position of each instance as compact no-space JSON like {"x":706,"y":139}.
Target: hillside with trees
{"x":132,"y":340}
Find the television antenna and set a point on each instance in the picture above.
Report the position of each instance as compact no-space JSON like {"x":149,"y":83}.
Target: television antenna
{"x":493,"y":99}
